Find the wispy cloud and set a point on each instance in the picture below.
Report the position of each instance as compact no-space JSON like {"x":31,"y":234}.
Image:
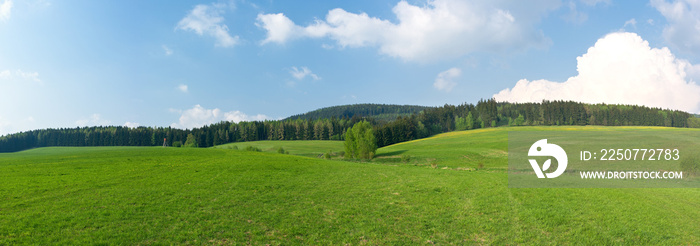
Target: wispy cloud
{"x":93,"y":120}
{"x":574,"y":15}
{"x":183,"y":88}
{"x":199,"y":116}
{"x":167,"y":50}
{"x":445,"y":80}
{"x":683,"y":29}
{"x":206,"y":20}
{"x":631,"y":22}
{"x":303,"y":72}
{"x":9,"y":126}
{"x":5,"y":74}
{"x":5,"y":10}
{"x":595,"y":2}
{"x":132,"y":124}
{"x":20,"y":75}
{"x":33,"y":76}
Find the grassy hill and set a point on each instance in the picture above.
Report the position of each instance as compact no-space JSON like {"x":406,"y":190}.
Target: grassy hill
{"x":487,"y":147}
{"x":153,"y":195}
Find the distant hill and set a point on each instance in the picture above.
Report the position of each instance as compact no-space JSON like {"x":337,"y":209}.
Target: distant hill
{"x":382,"y":112}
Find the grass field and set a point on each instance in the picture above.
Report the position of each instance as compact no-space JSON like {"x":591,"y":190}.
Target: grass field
{"x":130,"y":195}
{"x":310,"y":148}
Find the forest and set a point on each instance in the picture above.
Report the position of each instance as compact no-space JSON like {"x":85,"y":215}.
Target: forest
{"x":332,"y":126}
{"x":380,"y":112}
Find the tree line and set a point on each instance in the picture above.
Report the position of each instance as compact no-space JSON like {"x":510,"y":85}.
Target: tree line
{"x":381,"y":112}
{"x":206,"y":136}
{"x":426,"y":122}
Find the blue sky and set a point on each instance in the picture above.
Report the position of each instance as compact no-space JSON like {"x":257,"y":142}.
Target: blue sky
{"x":188,"y":63}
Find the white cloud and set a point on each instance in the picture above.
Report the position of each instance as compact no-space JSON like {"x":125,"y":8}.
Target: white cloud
{"x":683,"y":29}
{"x":441,"y":29}
{"x":167,"y":50}
{"x":9,"y":126}
{"x":41,"y":3}
{"x":445,"y":80}
{"x":33,"y":76}
{"x":620,"y":68}
{"x":199,"y":116}
{"x":595,"y":2}
{"x":93,"y":120}
{"x":5,"y":127}
{"x":279,"y":28}
{"x":206,"y":19}
{"x":183,"y":88}
{"x":131,"y":124}
{"x":238,"y":116}
{"x":300,"y":74}
{"x":574,"y":15}
{"x":20,"y":75}
{"x":631,"y":22}
{"x":6,"y":74}
{"x":5,"y":10}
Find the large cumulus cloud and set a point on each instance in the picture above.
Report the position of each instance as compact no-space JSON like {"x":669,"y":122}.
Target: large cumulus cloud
{"x":620,"y":68}
{"x":441,"y":29}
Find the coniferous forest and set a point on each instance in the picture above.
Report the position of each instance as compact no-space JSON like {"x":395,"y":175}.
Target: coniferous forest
{"x":376,"y":111}
{"x":332,"y":124}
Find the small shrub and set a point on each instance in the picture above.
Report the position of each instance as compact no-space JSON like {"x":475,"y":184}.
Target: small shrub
{"x":235,"y":147}
{"x":251,"y":148}
{"x":405,"y":158}
{"x":280,"y":150}
{"x":327,"y":156}
{"x":177,"y":144}
{"x":286,"y":152}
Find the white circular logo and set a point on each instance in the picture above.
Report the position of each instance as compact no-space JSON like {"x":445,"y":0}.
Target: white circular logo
{"x":542,"y":148}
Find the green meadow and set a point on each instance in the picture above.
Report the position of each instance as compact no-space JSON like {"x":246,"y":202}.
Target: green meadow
{"x":449,"y":189}
{"x":310,"y":148}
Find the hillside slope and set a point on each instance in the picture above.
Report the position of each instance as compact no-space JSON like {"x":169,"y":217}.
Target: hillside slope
{"x":486,"y":147}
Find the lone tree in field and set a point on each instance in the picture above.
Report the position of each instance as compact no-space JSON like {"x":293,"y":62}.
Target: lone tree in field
{"x":191,"y":142}
{"x":360,"y":142}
